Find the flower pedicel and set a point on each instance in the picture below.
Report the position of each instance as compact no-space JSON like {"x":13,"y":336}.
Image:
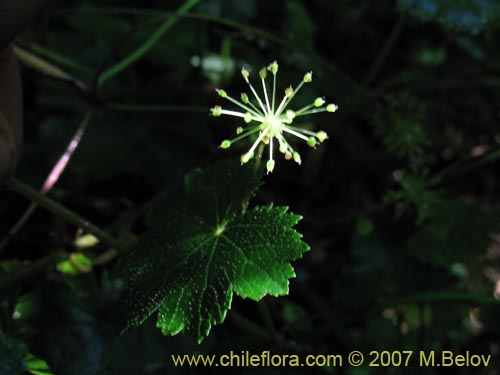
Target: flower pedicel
{"x":273,"y":121}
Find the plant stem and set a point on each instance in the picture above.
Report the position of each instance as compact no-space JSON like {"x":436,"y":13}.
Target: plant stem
{"x":148,"y":45}
{"x":382,"y":57}
{"x":52,"y":178}
{"x":56,"y":57}
{"x":154,"y":108}
{"x":462,"y":167}
{"x":58,"y":209}
{"x":343,"y":78}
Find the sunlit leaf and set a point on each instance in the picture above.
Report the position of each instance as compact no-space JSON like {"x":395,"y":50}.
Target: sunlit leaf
{"x":203,"y":247}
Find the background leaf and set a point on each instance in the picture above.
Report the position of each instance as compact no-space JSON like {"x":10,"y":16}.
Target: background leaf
{"x":469,"y":15}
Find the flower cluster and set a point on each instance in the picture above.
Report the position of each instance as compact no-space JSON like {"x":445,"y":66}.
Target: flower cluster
{"x":273,"y":120}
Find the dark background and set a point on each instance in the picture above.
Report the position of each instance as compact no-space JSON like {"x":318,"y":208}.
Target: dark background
{"x":400,"y":205}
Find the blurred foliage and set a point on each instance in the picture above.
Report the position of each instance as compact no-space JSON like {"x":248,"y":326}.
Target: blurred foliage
{"x":400,"y":206}
{"x":401,"y":126}
{"x":414,"y":195}
{"x":465,"y":15}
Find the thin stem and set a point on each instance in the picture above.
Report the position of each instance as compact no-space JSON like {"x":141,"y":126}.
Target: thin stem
{"x":297,"y":134}
{"x":242,"y":106}
{"x":153,"y":108}
{"x":239,"y":114}
{"x":385,"y":52}
{"x":262,"y":135}
{"x":274,"y":92}
{"x":244,"y":135}
{"x":47,"y":68}
{"x":58,"y":209}
{"x":289,"y":99}
{"x":343,"y":79}
{"x":305,"y":131}
{"x":52,"y":178}
{"x":148,"y":45}
{"x":254,"y":107}
{"x":281,"y":105}
{"x":56,"y":57}
{"x":271,"y":148}
{"x":311,"y":112}
{"x":463,"y":167}
{"x":303,"y":109}
{"x":105,"y":257}
{"x":260,"y":151}
{"x":288,"y":146}
{"x":264,"y":88}
{"x":256,"y":96}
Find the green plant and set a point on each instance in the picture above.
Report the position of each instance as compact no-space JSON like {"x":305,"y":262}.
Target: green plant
{"x":147,"y":242}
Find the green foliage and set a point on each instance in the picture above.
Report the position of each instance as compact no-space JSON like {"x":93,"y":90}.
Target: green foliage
{"x":37,"y":366}
{"x":418,"y":105}
{"x":466,"y":15}
{"x":414,"y":195}
{"x":401,"y":126}
{"x":203,"y":246}
{"x":15,"y":359}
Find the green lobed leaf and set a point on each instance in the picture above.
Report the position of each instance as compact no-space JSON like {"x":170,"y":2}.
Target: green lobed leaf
{"x":202,"y":247}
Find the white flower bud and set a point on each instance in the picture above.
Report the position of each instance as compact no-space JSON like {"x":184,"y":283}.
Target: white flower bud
{"x":332,"y":107}
{"x":308,"y":77}
{"x":318,"y":102}
{"x":270,"y":165}
{"x":222,"y":93}
{"x":245,"y":158}
{"x":225,"y":144}
{"x":216,"y":111}
{"x":273,"y":67}
{"x":297,"y":158}
{"x":245,"y":73}
{"x":321,"y":136}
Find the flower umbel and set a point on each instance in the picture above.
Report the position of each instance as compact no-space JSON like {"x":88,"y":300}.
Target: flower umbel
{"x":273,"y":120}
